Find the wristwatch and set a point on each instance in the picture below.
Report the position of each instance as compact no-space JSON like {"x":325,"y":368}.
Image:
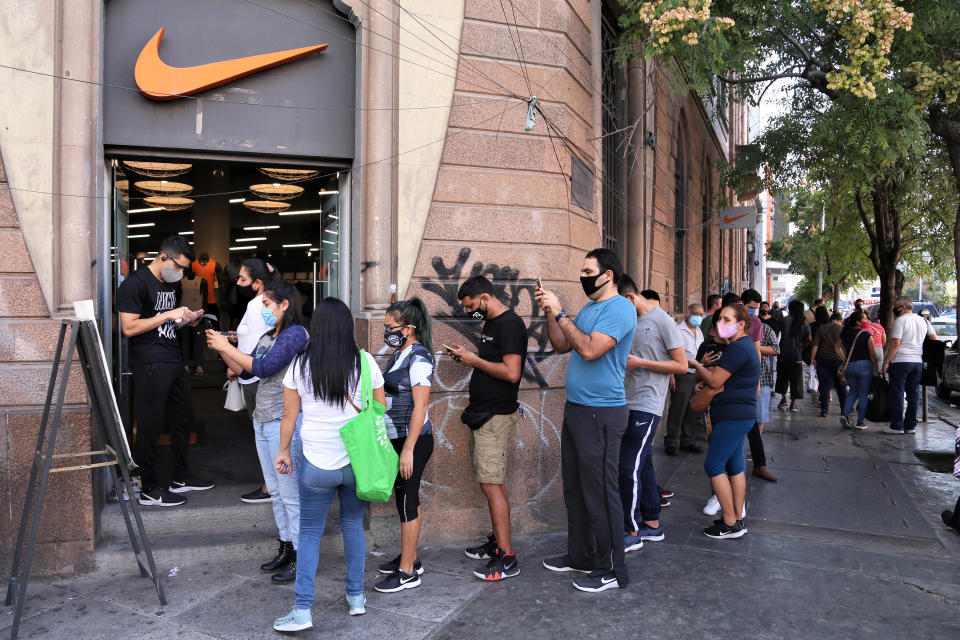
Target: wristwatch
{"x":562,"y":314}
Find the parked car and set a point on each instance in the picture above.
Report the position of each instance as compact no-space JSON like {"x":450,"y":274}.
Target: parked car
{"x":946,"y":329}
{"x":874,"y":309}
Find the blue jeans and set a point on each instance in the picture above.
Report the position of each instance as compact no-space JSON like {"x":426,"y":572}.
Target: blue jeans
{"x":859,"y":376}
{"x":317,"y":488}
{"x":726,"y":448}
{"x":638,"y":483}
{"x":904,"y":377}
{"x":827,"y":375}
{"x":282,"y":488}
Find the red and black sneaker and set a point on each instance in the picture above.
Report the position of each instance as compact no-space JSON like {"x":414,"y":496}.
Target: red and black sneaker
{"x":482,"y":551}
{"x":499,"y":567}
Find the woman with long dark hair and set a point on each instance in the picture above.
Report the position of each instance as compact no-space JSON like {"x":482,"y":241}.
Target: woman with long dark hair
{"x":407,"y":380}
{"x":860,"y":367}
{"x":268,"y":361}
{"x":254,"y":275}
{"x":793,"y":338}
{"x":325,"y":383}
{"x":732,"y":414}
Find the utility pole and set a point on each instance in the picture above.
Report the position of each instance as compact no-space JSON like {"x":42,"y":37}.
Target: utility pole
{"x":823,"y":226}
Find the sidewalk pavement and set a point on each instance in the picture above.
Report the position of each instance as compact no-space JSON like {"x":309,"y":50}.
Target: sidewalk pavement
{"x":848,"y":544}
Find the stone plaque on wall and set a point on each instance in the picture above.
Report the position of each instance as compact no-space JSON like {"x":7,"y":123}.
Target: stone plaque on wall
{"x":581,"y":184}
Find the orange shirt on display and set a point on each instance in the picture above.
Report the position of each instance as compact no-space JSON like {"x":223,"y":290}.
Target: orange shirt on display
{"x":207,"y":272}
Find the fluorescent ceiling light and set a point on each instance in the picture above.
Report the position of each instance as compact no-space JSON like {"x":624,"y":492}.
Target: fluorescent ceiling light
{"x":191,"y":242}
{"x":250,"y":239}
{"x":296,"y":246}
{"x":336,"y":233}
{"x":314,"y":249}
{"x":266,"y":228}
{"x":145,"y":210}
{"x":139,"y":235}
{"x":329,"y":242}
{"x":328,"y":193}
{"x":140,"y":224}
{"x":147,"y":259}
{"x":186,"y":233}
{"x":242,"y":248}
{"x":152,"y":253}
{"x":237,"y":200}
{"x":334,"y":217}
{"x":300,"y":213}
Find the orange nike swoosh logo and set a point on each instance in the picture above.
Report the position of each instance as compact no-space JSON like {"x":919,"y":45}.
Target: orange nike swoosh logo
{"x":159,"y":81}
{"x":727,"y":220}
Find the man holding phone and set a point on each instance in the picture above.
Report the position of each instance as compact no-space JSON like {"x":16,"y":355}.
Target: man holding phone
{"x":149,"y":319}
{"x":492,"y":414}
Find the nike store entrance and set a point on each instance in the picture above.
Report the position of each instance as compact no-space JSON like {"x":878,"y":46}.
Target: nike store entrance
{"x":234,"y":128}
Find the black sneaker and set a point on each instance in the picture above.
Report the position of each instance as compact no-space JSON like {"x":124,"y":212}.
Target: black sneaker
{"x":664,"y":493}
{"x":390,"y":568}
{"x":664,"y":502}
{"x":595,"y":584}
{"x":190,"y":483}
{"x":500,"y":566}
{"x":257,"y":495}
{"x":398,"y":582}
{"x":823,"y":414}
{"x":160,"y":498}
{"x":560,"y":565}
{"x":484,"y":551}
{"x":845,"y":422}
{"x":721,"y":530}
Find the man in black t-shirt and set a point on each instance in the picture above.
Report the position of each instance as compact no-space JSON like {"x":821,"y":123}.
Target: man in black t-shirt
{"x":492,"y":414}
{"x":149,"y":318}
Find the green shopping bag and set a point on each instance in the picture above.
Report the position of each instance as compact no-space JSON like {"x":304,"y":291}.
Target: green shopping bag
{"x":372,"y":456}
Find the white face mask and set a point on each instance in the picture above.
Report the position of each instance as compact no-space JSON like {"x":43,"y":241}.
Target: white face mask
{"x":170,"y":274}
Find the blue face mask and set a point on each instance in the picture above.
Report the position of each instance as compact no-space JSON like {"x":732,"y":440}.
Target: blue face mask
{"x":696,"y":320}
{"x":268,"y":318}
{"x":752,"y":311}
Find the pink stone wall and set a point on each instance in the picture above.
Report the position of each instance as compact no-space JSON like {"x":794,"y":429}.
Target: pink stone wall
{"x":28,"y":337}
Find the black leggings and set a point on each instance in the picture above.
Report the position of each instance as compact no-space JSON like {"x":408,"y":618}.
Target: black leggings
{"x":407,"y":492}
{"x":756,"y":446}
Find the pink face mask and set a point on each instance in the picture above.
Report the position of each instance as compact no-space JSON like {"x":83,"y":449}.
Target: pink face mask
{"x":727,"y":331}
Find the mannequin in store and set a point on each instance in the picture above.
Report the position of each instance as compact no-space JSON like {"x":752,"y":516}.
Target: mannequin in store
{"x":209,"y":270}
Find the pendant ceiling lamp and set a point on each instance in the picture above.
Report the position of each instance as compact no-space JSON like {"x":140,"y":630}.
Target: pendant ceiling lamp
{"x":158,"y":169}
{"x":169,"y":203}
{"x":277,"y":191}
{"x":163,"y":188}
{"x":266,"y":206}
{"x":284,"y":173}
{"x":123,"y":185}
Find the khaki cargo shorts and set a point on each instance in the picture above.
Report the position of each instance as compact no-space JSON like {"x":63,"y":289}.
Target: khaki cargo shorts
{"x":488,"y":448}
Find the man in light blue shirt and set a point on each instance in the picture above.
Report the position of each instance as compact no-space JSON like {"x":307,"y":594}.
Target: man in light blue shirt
{"x":594,"y":420}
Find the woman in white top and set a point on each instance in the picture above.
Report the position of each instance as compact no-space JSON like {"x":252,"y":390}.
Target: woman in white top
{"x":255,"y":274}
{"x":324,"y":383}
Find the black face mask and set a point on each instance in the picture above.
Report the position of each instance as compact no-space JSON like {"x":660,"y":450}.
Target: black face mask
{"x":589,"y":284}
{"x":246,"y":291}
{"x":480,"y":314}
{"x":394,"y":339}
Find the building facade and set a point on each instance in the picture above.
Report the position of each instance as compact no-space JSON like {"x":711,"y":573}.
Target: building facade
{"x":406,"y":152}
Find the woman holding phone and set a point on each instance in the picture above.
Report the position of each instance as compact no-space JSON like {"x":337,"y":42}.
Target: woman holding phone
{"x":325,"y":382}
{"x":407,"y":378}
{"x":268,"y":361}
{"x":735,"y":380}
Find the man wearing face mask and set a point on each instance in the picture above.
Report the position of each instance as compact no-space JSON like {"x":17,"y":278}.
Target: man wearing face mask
{"x":683,"y":424}
{"x":148,"y":318}
{"x":493,"y":410}
{"x":594,"y":421}
{"x":751,"y":299}
{"x":904,"y":362}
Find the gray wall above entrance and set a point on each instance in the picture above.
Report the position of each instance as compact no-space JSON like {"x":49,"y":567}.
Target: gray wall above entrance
{"x":315,"y":96}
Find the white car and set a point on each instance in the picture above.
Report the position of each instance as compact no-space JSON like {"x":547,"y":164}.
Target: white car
{"x":946,"y":329}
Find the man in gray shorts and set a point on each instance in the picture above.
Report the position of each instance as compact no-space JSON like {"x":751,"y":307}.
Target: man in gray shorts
{"x":492,"y":415}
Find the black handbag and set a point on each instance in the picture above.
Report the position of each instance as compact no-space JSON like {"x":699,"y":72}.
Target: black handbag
{"x":878,"y":400}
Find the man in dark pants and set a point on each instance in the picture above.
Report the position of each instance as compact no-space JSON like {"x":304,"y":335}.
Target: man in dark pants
{"x":149,"y":319}
{"x":594,"y":420}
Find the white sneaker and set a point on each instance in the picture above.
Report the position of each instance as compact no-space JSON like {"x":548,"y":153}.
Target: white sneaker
{"x":296,"y":620}
{"x":712,"y":507}
{"x":357,"y":604}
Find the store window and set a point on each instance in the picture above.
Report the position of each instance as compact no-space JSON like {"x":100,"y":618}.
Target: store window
{"x":614,"y":107}
{"x":680,"y":223}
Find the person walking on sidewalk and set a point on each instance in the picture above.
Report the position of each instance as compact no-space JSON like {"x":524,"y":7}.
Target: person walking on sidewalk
{"x":769,"y":349}
{"x":904,"y":361}
{"x":268,"y":361}
{"x":254,"y":274}
{"x":595,"y":417}
{"x":794,"y":337}
{"x":657,"y":353}
{"x":325,"y":381}
{"x":149,"y":320}
{"x":492,"y":415}
{"x":407,"y":379}
{"x":683,"y":424}
{"x":734,"y":379}
{"x":860,"y":368}
{"x":827,"y":357}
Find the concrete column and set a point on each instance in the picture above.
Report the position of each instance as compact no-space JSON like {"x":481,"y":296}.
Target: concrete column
{"x":76,"y":165}
{"x":379,"y":148}
{"x":211,"y":216}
